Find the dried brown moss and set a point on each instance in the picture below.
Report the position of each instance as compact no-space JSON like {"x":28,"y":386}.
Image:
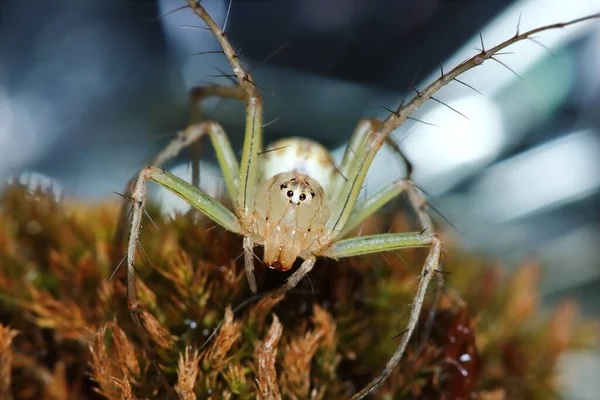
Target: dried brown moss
{"x":324,"y":340}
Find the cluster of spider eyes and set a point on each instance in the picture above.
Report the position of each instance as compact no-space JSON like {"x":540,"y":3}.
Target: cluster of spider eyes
{"x":302,"y":196}
{"x":290,"y":193}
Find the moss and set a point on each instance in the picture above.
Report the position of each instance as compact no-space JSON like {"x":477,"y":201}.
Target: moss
{"x":66,"y":331}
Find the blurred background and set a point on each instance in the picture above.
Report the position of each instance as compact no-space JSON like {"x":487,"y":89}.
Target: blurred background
{"x":90,"y":89}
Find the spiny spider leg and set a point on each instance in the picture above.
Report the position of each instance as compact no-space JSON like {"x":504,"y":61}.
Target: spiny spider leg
{"x":198,"y":95}
{"x":355,"y":178}
{"x":254,"y":118}
{"x":367,"y":207}
{"x":388,"y":242}
{"x":432,"y":263}
{"x":225,"y":155}
{"x":363,"y":159}
{"x":357,"y":140}
{"x":252,"y":137}
{"x":361,"y":132}
{"x":197,"y":198}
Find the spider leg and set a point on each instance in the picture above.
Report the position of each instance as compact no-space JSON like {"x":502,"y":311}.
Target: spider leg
{"x":249,"y":263}
{"x":394,"y":241}
{"x":365,"y":208}
{"x":254,"y":117}
{"x":387,"y":242}
{"x":198,"y":95}
{"x":190,"y":137}
{"x":361,"y":132}
{"x":363,"y":158}
{"x":194,"y":196}
{"x":292,"y":281}
{"x":358,"y":139}
{"x":225,"y":155}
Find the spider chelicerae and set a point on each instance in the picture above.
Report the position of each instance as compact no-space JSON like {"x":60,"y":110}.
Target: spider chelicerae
{"x":293,"y":200}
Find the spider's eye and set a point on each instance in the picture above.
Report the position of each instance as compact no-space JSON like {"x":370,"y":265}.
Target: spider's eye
{"x":290,"y":193}
{"x":302,"y":197}
{"x":283,"y":186}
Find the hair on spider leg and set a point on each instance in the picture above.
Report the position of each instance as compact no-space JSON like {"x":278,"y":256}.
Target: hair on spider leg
{"x":258,"y":86}
{"x":504,"y":53}
{"x":507,"y":67}
{"x":447,"y":105}
{"x":412,"y":86}
{"x":114,"y":272}
{"x":481,"y":39}
{"x":430,"y":206}
{"x":230,"y":77}
{"x":272,"y":150}
{"x":204,"y":28}
{"x":399,"y":334}
{"x":167,"y":13}
{"x":396,"y":113}
{"x":467,"y":85}
{"x":142,"y":251}
{"x":201,"y":53}
{"x":542,"y":45}
{"x":269,"y":56}
{"x":150,"y":218}
{"x":123,"y":195}
{"x":438,"y":271}
{"x":271,"y":122}
{"x":227,"y":16}
{"x":402,"y":318}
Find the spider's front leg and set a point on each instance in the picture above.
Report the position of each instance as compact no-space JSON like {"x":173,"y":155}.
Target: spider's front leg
{"x":189,"y":193}
{"x":254,"y":119}
{"x":192,"y":195}
{"x":248,"y":175}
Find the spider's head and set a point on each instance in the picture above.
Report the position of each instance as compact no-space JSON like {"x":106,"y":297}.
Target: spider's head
{"x":296,"y":199}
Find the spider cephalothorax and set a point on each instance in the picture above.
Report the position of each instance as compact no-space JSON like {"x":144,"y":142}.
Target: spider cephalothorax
{"x":290,"y":197}
{"x":290,"y":218}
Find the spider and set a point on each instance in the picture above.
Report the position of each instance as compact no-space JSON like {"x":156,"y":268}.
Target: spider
{"x":292,"y":200}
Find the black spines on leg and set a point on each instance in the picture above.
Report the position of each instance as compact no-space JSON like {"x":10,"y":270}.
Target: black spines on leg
{"x":506,"y":66}
{"x":467,"y":85}
{"x":166,"y":13}
{"x":201,"y":53}
{"x":396,"y":113}
{"x":453,"y":109}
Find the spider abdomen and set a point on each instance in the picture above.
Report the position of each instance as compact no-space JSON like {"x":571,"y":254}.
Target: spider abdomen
{"x":299,"y":155}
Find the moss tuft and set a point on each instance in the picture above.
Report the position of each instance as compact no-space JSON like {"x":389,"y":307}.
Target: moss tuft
{"x":71,"y":336}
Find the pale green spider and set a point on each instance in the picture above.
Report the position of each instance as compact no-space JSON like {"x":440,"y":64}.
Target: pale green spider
{"x":292,"y":200}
